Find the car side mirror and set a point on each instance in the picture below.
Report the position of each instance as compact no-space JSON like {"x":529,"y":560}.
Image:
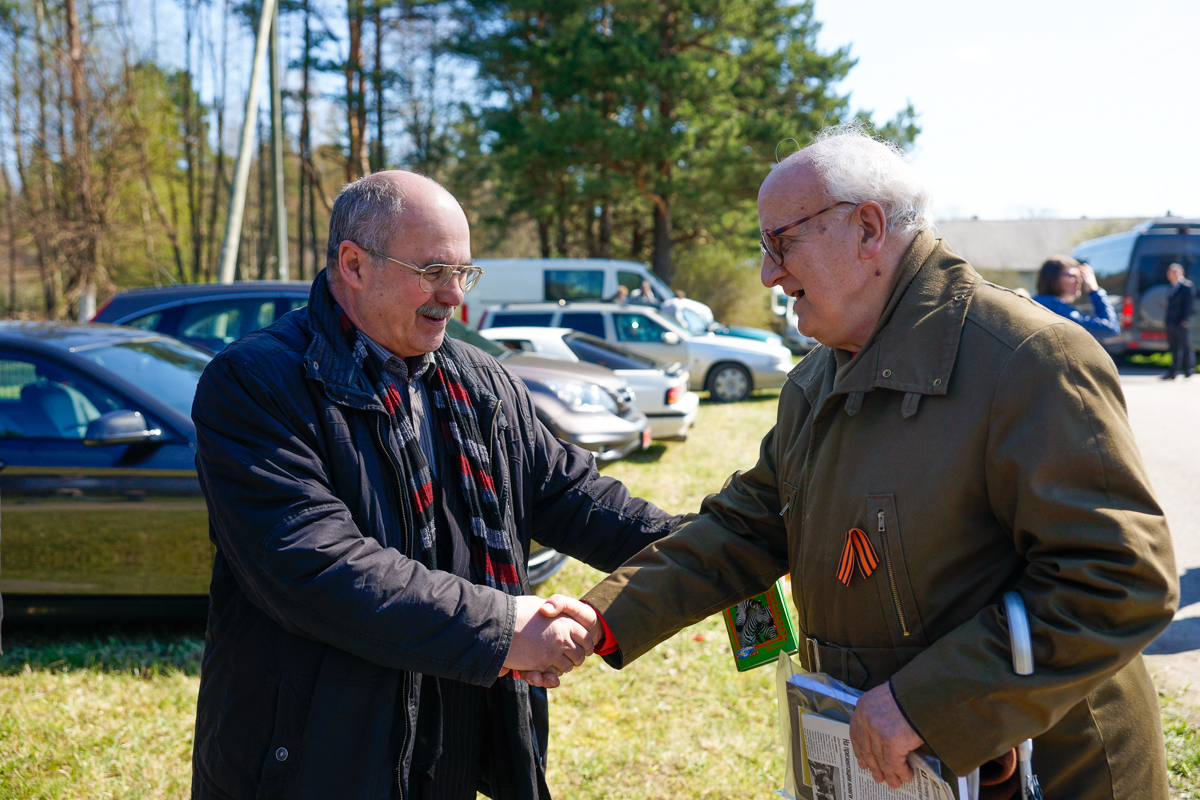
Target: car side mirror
{"x":670,"y":337}
{"x":118,"y":427}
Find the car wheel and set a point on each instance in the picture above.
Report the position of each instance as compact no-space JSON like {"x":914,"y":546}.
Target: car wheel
{"x":728,"y":383}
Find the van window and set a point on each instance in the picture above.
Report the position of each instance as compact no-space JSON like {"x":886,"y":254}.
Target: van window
{"x":592,"y":323}
{"x":630,"y":280}
{"x":504,"y":319}
{"x":1156,"y":253}
{"x":574,"y":284}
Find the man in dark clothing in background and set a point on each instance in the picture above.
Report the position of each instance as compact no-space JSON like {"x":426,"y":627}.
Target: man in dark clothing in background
{"x":1181,"y":304}
{"x":373,"y":487}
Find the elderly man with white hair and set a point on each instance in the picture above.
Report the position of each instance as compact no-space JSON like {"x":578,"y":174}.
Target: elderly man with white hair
{"x":951,"y":441}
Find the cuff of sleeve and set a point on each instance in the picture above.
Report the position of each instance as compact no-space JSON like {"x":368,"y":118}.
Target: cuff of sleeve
{"x":903,"y":713}
{"x":610,"y":645}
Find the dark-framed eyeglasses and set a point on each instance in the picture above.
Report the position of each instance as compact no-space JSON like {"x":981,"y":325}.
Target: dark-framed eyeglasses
{"x":768,"y":241}
{"x":435,"y":276}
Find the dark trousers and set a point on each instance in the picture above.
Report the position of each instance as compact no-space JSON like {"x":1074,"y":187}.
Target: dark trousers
{"x":1183,"y":355}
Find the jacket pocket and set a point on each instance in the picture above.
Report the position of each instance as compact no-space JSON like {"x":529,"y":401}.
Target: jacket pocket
{"x":787,"y":503}
{"x":284,"y":750}
{"x":895,"y":589}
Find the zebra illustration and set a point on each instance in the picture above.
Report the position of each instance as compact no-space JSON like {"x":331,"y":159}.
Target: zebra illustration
{"x":753,"y":622}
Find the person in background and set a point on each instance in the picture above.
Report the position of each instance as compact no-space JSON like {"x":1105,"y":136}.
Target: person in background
{"x":620,"y":296}
{"x":644,"y":294}
{"x":672,"y":307}
{"x":1061,"y":281}
{"x":1181,"y":304}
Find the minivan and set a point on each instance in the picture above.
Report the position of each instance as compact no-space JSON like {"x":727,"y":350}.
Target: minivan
{"x":540,"y":280}
{"x":1133,"y":266}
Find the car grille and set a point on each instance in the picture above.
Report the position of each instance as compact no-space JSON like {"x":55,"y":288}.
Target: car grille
{"x":624,"y":398}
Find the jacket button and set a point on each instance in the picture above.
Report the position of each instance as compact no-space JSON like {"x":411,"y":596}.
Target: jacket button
{"x":887,"y":373}
{"x":937,"y":381}
{"x":281,"y":754}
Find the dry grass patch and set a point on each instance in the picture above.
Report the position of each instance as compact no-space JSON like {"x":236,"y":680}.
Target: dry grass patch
{"x":95,"y":734}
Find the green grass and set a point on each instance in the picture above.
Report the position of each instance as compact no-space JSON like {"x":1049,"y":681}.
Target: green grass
{"x":109,"y":712}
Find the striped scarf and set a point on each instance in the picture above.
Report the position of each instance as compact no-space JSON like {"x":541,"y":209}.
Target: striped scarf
{"x":492,"y":561}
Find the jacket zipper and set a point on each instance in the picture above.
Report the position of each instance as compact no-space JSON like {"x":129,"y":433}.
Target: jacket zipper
{"x":891,"y":572}
{"x":404,"y":542}
{"x":396,"y":474}
{"x":404,"y":740}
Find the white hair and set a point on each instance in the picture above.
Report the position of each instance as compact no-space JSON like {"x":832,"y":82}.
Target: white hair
{"x":854,"y":166}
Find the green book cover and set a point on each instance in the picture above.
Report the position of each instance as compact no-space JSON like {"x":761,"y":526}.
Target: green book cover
{"x":759,"y":628}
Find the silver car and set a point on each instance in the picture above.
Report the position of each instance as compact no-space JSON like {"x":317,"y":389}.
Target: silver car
{"x":660,"y":390}
{"x":729,"y":367}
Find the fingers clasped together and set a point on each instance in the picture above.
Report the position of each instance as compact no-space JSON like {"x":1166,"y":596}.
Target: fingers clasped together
{"x":551,"y":637}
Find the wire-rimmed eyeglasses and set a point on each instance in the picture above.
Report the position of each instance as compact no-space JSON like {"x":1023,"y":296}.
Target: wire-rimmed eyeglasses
{"x":435,"y":276}
{"x":768,"y":240}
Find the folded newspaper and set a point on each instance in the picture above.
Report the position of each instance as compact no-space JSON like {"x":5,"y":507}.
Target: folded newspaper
{"x":815,"y":713}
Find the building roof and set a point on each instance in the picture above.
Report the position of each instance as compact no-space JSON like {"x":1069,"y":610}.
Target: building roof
{"x":1020,"y":244}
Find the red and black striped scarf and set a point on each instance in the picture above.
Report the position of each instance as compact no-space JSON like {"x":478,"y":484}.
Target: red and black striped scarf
{"x":455,"y":416}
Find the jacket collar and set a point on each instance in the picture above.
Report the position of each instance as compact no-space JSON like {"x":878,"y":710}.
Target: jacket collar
{"x":915,"y":342}
{"x":331,"y":361}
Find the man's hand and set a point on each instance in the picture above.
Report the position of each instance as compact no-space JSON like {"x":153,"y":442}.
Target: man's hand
{"x":882,"y":737}
{"x":577,"y":610}
{"x":545,"y":647}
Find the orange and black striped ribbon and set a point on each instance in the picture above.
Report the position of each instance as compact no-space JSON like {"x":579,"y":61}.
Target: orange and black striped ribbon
{"x":858,"y":550}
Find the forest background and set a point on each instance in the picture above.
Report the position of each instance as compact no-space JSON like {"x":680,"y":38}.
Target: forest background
{"x":635,"y":129}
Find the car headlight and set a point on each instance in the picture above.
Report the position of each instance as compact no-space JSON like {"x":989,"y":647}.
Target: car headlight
{"x":587,"y":397}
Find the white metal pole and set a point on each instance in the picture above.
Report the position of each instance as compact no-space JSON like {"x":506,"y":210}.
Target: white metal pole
{"x":241,"y":174}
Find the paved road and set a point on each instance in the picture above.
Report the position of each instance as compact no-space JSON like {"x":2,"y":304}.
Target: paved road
{"x":1164,"y":416}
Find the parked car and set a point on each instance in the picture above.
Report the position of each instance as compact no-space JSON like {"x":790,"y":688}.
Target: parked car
{"x":103,"y":514}
{"x":660,"y":390}
{"x":1132,"y":266}
{"x":729,"y":367}
{"x":581,"y":403}
{"x":793,"y":339}
{"x":597,"y":414}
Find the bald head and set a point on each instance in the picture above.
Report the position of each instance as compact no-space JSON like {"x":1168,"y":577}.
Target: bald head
{"x":383,"y":208}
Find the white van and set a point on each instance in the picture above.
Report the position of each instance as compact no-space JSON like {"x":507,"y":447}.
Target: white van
{"x":538,"y":280}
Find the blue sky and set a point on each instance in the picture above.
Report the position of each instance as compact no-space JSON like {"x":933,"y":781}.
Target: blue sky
{"x":1054,"y":108}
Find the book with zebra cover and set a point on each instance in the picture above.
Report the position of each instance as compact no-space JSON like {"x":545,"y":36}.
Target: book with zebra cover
{"x":760,"y":628}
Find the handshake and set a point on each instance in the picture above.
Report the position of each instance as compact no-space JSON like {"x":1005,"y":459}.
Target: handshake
{"x":551,"y":638}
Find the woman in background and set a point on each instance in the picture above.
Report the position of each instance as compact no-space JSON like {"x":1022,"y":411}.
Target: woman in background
{"x":1061,"y":281}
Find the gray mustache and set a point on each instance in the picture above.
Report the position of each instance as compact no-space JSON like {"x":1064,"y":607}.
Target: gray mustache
{"x":436,"y":310}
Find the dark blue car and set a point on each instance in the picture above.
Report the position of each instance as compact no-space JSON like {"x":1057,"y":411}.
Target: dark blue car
{"x":102,"y":511}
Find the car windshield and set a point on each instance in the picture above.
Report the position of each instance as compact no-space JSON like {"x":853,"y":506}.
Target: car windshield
{"x":597,"y":351}
{"x":458,"y":330}
{"x":164,"y":368}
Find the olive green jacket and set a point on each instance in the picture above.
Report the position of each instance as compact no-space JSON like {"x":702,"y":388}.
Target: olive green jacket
{"x":982,"y":444}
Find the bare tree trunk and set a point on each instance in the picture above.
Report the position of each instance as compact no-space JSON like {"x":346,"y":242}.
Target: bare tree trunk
{"x":219,"y":183}
{"x":544,"y":238}
{"x":301,"y":174}
{"x":46,"y":237}
{"x":377,"y":152}
{"x":356,"y":112}
{"x":660,"y":260}
{"x":264,"y":203}
{"x":605,"y":250}
{"x":189,"y":136}
{"x":84,"y":279}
